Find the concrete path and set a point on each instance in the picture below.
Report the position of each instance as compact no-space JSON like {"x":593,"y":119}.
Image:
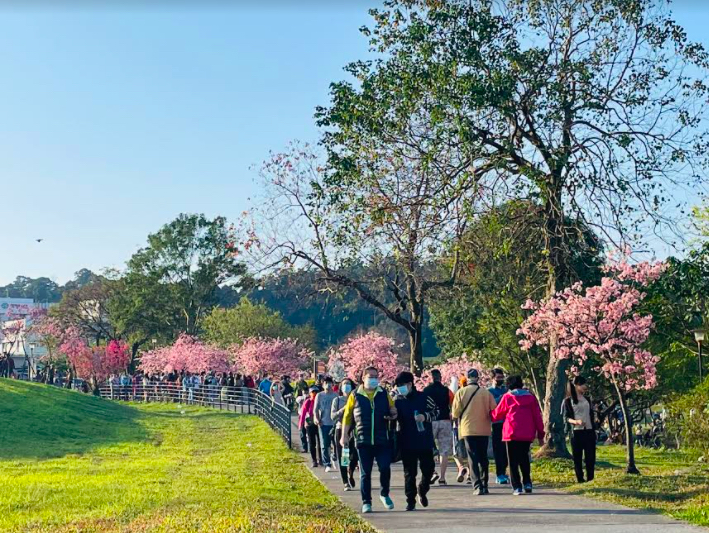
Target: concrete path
{"x":454,"y":509}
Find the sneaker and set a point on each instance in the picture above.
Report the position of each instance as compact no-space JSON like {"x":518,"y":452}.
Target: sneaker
{"x":328,"y":469}
{"x":423,"y":500}
{"x":461,"y":474}
{"x":352,"y":481}
{"x":435,"y":477}
{"x":528,"y":488}
{"x":386,"y":501}
{"x":485,"y":490}
{"x":315,"y":464}
{"x":517,"y":492}
{"x":478,"y":492}
{"x":366,"y":508}
{"x":410,"y":506}
{"x":468,"y":481}
{"x":505,"y":480}
{"x":442,"y":482}
{"x":347,"y":488}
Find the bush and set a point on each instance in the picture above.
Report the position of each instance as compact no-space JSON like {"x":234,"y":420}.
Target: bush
{"x":688,"y":418}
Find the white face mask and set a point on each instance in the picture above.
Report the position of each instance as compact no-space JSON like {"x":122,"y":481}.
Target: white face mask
{"x":372,"y":383}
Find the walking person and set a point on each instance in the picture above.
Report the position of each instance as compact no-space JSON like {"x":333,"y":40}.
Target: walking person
{"x":499,"y":451}
{"x":472,"y":406}
{"x":415,"y":412}
{"x":369,"y":410}
{"x":337,"y":414}
{"x":307,"y":422}
{"x":579,"y":415}
{"x":443,"y":426}
{"x":322,"y":414}
{"x":522,"y":417}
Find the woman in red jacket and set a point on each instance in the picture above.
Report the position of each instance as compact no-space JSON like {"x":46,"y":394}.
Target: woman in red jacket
{"x":523,"y":421}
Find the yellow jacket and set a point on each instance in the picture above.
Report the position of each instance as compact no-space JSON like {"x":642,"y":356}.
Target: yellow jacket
{"x":476,"y":420}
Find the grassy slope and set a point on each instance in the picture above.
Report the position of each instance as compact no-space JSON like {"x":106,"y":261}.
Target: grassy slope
{"x":71,"y":462}
{"x":672,"y":482}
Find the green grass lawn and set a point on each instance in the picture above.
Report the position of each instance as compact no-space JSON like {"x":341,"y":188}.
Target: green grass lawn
{"x":71,"y":462}
{"x":672,"y":482}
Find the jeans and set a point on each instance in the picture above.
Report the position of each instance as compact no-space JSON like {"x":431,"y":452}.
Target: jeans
{"x":479,"y":463}
{"x":411,"y":459}
{"x":304,"y":438}
{"x":499,"y":450}
{"x":367,"y":455}
{"x":325,"y":443}
{"x":518,"y":455}
{"x":313,"y":441}
{"x":583,"y":446}
{"x":345,"y":471}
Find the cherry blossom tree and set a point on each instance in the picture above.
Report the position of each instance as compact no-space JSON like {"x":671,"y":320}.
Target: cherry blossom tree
{"x":187,"y":354}
{"x":455,"y":367}
{"x":602,"y":324}
{"x":370,"y":349}
{"x":94,"y":363}
{"x":271,"y":356}
{"x":48,"y":332}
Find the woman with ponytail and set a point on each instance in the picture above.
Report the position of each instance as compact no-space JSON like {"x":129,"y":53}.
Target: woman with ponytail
{"x":578,"y":412}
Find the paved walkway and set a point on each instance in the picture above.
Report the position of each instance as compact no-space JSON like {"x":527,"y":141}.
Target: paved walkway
{"x":454,"y":509}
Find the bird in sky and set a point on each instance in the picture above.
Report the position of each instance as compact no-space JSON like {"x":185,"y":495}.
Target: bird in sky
{"x":39,"y":240}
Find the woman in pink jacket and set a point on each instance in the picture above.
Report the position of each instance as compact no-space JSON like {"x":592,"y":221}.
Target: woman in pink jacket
{"x":523,"y":421}
{"x":306,"y":421}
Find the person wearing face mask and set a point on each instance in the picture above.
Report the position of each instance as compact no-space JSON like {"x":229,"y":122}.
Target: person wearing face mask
{"x":370,"y":410}
{"x":416,"y":411}
{"x":307,"y":422}
{"x":579,"y":415}
{"x":321,"y":412}
{"x":499,"y":451}
{"x":337,"y":413}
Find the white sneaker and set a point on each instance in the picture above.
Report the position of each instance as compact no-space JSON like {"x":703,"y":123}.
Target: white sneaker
{"x":328,"y":469}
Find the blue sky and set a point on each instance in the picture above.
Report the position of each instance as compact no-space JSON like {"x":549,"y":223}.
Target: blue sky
{"x":114,"y":120}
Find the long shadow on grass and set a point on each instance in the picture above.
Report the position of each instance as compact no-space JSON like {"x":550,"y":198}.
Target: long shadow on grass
{"x":42,"y":421}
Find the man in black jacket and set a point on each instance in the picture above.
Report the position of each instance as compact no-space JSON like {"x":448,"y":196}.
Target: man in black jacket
{"x":416,"y":411}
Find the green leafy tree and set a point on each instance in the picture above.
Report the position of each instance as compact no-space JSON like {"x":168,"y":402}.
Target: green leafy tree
{"x":594,"y":109}
{"x":503,"y":258}
{"x":189,"y":258}
{"x":227,"y":327}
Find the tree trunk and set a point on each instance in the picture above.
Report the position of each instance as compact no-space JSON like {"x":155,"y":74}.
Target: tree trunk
{"x":629,"y":436}
{"x":555,"y":444}
{"x":416,"y":349}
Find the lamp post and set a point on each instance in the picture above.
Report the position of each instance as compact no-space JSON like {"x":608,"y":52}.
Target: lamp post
{"x":699,"y":336}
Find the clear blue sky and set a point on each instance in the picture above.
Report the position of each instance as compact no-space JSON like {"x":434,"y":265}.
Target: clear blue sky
{"x":114,"y":120}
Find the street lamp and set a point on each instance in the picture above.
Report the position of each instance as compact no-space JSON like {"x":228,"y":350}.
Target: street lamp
{"x":699,"y":335}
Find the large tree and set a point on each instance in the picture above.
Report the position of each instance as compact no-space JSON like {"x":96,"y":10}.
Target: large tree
{"x":594,"y":109}
{"x":184,"y":263}
{"x":503,"y":257}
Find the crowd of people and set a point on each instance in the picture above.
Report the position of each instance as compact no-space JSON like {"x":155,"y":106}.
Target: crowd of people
{"x":348,"y":426}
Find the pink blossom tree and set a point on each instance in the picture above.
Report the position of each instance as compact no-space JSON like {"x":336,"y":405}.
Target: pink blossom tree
{"x":455,"y":367}
{"x":48,"y":332}
{"x":371,"y":349}
{"x":272,"y":356}
{"x":602,"y":323}
{"x":94,"y":363}
{"x":187,"y":354}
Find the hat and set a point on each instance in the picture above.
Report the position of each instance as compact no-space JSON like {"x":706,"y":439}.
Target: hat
{"x":473,"y":374}
{"x":313,"y":389}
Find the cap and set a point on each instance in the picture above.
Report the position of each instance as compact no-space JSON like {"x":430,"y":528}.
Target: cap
{"x":473,"y":374}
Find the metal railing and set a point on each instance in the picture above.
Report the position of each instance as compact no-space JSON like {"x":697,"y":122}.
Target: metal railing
{"x":236,"y":399}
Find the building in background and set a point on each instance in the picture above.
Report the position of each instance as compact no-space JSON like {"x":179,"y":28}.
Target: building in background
{"x":15,"y":337}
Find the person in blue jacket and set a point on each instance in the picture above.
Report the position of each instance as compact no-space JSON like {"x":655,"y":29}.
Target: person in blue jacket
{"x":499,"y":450}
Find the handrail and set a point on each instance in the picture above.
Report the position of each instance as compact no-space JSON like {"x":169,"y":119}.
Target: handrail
{"x":238,"y":399}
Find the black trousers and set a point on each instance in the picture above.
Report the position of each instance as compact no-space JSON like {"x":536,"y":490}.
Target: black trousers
{"x":313,"y":441}
{"x":583,"y":446}
{"x":499,"y":450}
{"x":518,"y":456}
{"x":304,"y":438}
{"x":345,"y":471}
{"x":479,"y":463}
{"x":410,"y":460}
